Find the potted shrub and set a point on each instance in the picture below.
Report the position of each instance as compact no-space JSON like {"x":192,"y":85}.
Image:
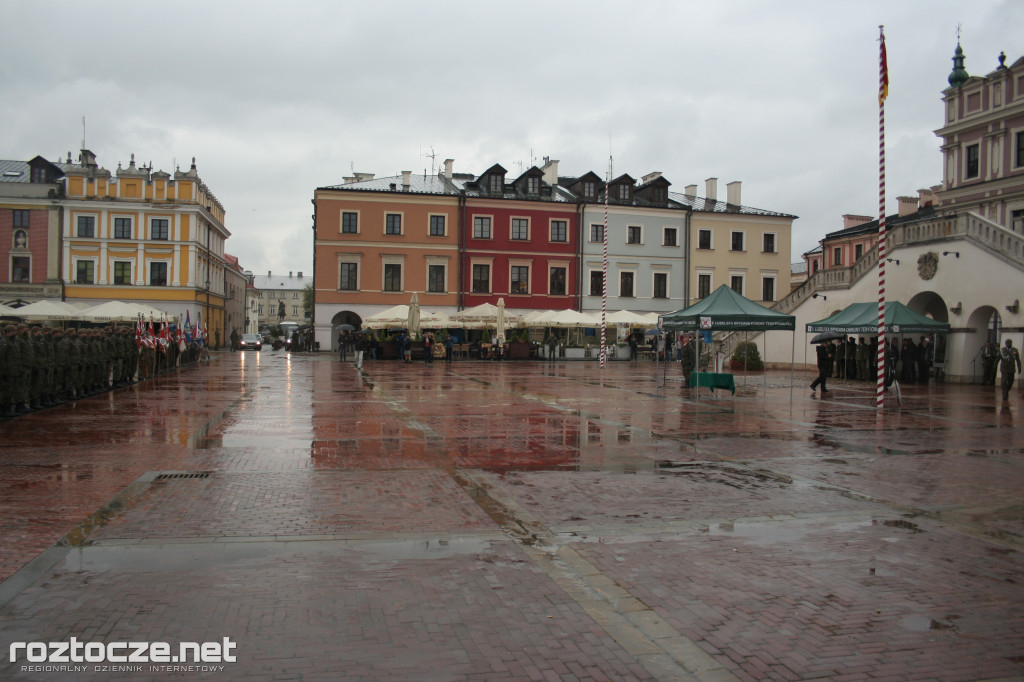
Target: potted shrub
{"x":746,"y":358}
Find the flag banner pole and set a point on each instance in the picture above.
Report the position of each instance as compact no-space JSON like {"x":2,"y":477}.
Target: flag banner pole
{"x":883,"y":92}
{"x":604,"y":269}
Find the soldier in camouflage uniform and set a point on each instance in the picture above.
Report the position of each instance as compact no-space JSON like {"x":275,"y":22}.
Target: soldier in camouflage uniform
{"x":60,"y":366}
{"x":23,"y":375}
{"x":73,"y":375}
{"x":41,"y":371}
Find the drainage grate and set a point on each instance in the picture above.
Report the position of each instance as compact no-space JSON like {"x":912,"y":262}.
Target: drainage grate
{"x":182,"y":474}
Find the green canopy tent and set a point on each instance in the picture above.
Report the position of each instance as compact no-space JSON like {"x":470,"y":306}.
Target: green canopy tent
{"x":726,"y":310}
{"x":862,"y":318}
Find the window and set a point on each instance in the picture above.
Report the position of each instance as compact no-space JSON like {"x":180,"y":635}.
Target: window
{"x":704,"y":239}
{"x":392,"y":277}
{"x":349,"y":223}
{"x":624,"y":192}
{"x":837,"y":256}
{"x":559,"y":230}
{"x":20,"y":218}
{"x":295,"y":310}
{"x":597,"y":233}
{"x":658,"y":194}
{"x":84,"y":272}
{"x":520,"y":228}
{"x":437,"y":226}
{"x":596,"y":283}
{"x":626,"y":284}
{"x":393,"y":224}
{"x":671,"y":237}
{"x":737,"y":241}
{"x":436,"y":278}
{"x":482,"y":227}
{"x":86,"y":226}
{"x":520,"y":279}
{"x":703,"y":286}
{"x":971,"y":171}
{"x":497,"y":183}
{"x":1017,"y":221}
{"x":158,"y":274}
{"x":556,"y":282}
{"x":588,"y":189}
{"x":633,"y":234}
{"x":1019,"y":154}
{"x":737,"y":284}
{"x":122,"y":228}
{"x":767,"y":288}
{"x":532,"y":185}
{"x":295,"y":294}
{"x":158,"y":228}
{"x":481,"y":279}
{"x":769,"y":242}
{"x":858,"y":251}
{"x":21,"y":268}
{"x":122,"y":272}
{"x":349,"y":279}
{"x":39,"y":175}
{"x":661,"y":285}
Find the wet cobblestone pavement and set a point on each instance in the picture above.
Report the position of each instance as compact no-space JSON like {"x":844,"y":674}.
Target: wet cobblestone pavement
{"x":519,"y":521}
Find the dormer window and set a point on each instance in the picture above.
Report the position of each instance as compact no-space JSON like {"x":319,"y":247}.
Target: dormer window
{"x":624,"y":192}
{"x":658,"y":194}
{"x":588,"y":189}
{"x":496,"y":184}
{"x":532,"y":185}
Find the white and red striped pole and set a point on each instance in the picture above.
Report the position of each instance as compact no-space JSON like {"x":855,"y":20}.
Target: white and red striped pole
{"x":883,"y":91}
{"x":604,"y":268}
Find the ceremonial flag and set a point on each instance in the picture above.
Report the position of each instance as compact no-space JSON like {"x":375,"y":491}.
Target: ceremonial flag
{"x":188,"y":327}
{"x":883,"y":86}
{"x":138,"y":331}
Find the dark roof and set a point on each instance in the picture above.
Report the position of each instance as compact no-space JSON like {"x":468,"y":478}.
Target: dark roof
{"x":872,"y":227}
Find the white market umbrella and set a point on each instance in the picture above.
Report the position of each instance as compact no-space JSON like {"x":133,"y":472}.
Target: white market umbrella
{"x":499,"y":323}
{"x":390,"y":317}
{"x":44,"y":310}
{"x":413,"y":320}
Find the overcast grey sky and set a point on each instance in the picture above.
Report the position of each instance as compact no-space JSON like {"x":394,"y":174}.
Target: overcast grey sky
{"x":275,"y":99}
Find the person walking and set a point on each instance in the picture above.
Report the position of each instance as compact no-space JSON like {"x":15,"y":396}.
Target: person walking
{"x":449,"y":348}
{"x":343,"y":345}
{"x":428,"y":348}
{"x":361,"y":347}
{"x":989,"y":363}
{"x":1009,"y":360}
{"x":924,"y":360}
{"x":823,"y":362}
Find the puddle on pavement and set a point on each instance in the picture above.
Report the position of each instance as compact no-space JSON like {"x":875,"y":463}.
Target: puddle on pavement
{"x":733,"y":476}
{"x":185,"y":556}
{"x":767,"y":533}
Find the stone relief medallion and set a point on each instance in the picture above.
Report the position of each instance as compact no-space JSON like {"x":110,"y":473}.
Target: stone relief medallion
{"x":927,"y":264}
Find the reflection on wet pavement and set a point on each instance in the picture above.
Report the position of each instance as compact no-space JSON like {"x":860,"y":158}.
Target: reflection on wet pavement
{"x":522,"y":520}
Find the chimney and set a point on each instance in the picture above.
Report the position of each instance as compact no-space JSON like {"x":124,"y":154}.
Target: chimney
{"x":300,"y":274}
{"x":289,"y":273}
{"x":850,"y":220}
{"x":448,"y":164}
{"x":711,"y":189}
{"x":690,"y":190}
{"x":406,"y":179}
{"x":550,"y":169}
{"x":269,"y":273}
{"x":732,"y":193}
{"x":362,"y":177}
{"x":907,"y":205}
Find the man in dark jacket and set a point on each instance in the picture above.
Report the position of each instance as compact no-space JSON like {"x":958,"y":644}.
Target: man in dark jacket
{"x":823,"y":363}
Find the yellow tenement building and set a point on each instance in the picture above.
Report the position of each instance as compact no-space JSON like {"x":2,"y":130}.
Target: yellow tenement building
{"x":144,"y":236}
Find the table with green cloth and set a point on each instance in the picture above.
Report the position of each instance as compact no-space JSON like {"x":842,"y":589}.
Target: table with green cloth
{"x":713,"y":380}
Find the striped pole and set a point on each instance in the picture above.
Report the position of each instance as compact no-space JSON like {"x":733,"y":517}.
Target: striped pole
{"x":604,"y":268}
{"x":883,"y":91}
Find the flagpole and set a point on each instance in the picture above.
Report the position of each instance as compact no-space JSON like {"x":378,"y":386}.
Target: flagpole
{"x":883,"y":92}
{"x":604,"y":267}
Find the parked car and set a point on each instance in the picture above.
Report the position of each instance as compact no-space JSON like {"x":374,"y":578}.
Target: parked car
{"x":251,"y":342}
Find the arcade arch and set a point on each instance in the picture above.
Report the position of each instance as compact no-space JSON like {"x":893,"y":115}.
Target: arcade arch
{"x":340,"y":318}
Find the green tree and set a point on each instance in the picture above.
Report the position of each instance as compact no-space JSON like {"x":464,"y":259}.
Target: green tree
{"x":307,"y":300}
{"x":746,"y":356}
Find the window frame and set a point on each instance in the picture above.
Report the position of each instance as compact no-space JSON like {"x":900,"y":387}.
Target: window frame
{"x":710,"y":277}
{"x":765,"y":279}
{"x":711,"y":244}
{"x":27,"y":258}
{"x":431,"y":218}
{"x":519,"y":282}
{"x":474,"y":280}
{"x":733,"y":277}
{"x":742,"y":239}
{"x":79,"y":262}
{"x":116,"y":274}
{"x":119,"y":222}
{"x":774,"y":243}
{"x":431,"y":268}
{"x":478,"y":225}
{"x":516,"y":223}
{"x":631,"y":276}
{"x":599,"y":227}
{"x":166,"y":270}
{"x":533,"y":185}
{"x":1018,"y":152}
{"x":655,"y":276}
{"x":389,"y":218}
{"x":551,"y":281}
{"x":166,"y":229}
{"x":21,"y":218}
{"x":596,"y":278}
{"x":563,"y":231}
{"x":388,"y":285}
{"x":636,"y":230}
{"x":88,"y":221}
{"x":353,"y":275}
{"x":972,"y":161}
{"x":675,"y":236}
{"x":837,"y":256}
{"x":345,"y":220}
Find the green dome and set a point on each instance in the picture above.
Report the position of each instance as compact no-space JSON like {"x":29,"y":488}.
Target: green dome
{"x":959,"y":74}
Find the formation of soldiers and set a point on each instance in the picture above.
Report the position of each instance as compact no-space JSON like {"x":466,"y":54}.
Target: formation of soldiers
{"x":44,"y":366}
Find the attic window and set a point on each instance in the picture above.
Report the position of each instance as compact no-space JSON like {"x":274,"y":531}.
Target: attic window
{"x":588,"y":189}
{"x":532,"y":185}
{"x":496,"y":184}
{"x":624,"y":192}
{"x":12,"y":174}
